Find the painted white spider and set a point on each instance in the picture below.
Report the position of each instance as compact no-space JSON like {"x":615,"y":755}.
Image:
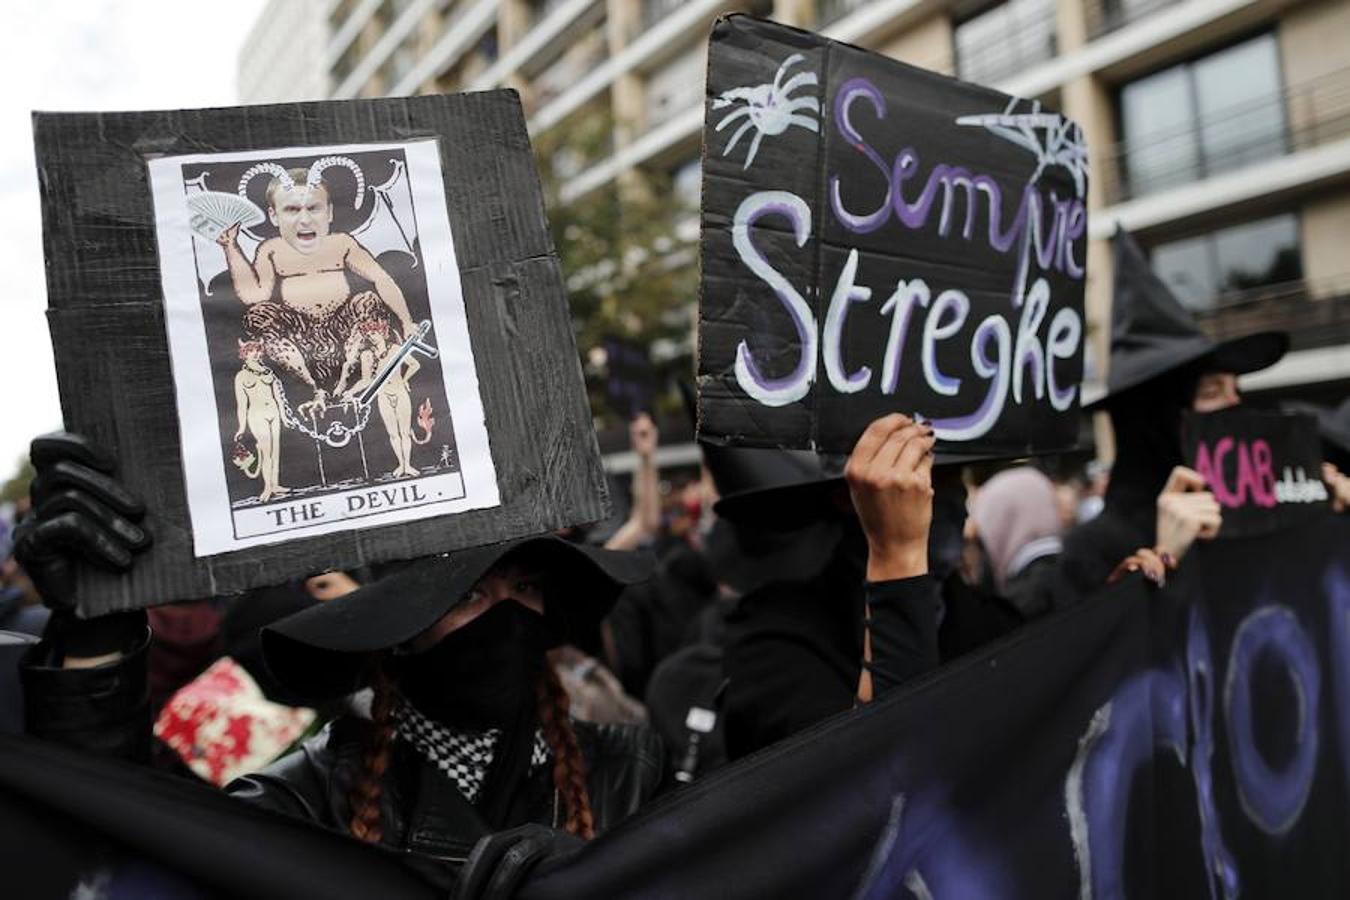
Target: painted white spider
{"x":770,"y":108}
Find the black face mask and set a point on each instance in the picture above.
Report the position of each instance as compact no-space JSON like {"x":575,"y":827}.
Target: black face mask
{"x":482,"y":675}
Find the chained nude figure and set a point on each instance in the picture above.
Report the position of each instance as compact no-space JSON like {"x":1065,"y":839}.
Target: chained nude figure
{"x":298,"y":300}
{"x":258,"y":404}
{"x":373,"y":354}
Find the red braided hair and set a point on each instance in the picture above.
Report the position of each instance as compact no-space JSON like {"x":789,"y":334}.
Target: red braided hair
{"x":365,"y":792}
{"x":569,"y":767}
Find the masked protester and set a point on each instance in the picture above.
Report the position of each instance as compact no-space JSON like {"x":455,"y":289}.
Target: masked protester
{"x":468,"y":762}
{"x":833,"y":552}
{"x":1161,"y":365}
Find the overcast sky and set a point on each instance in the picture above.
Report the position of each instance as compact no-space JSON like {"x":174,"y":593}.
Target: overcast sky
{"x":86,"y":55}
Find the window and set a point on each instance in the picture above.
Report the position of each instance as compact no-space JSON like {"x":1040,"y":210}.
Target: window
{"x":1112,"y":14}
{"x":1201,"y":270}
{"x":676,"y":88}
{"x":1211,"y":115}
{"x":1005,"y":39}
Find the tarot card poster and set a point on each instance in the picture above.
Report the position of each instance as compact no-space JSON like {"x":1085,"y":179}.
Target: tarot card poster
{"x":317,"y":333}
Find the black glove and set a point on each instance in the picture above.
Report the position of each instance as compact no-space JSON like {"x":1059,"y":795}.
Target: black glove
{"x":500,"y":863}
{"x":80,"y":515}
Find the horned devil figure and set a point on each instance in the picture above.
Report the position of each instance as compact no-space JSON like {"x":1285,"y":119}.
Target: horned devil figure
{"x":297,"y":299}
{"x":770,"y":108}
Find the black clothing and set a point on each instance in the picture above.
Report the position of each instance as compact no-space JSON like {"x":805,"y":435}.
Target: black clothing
{"x":104,"y":709}
{"x":794,"y":650}
{"x":653,"y":619}
{"x":1039,"y":589}
{"x":422,"y":812}
{"x":904,"y":629}
{"x":969,"y":618}
{"x":1147,"y":426}
{"x":1094,"y":549}
{"x":792,"y":656}
{"x":685,"y":694}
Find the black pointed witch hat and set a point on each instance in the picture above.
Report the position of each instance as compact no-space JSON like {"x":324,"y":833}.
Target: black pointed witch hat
{"x":1153,"y":334}
{"x":782,"y":488}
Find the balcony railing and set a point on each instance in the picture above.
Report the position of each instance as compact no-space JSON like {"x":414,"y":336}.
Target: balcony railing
{"x":654,"y":11}
{"x":988,"y":50}
{"x":1303,"y":116}
{"x":1314,"y":314}
{"x":1105,"y":16}
{"x":541,"y":9}
{"x":830,"y":11}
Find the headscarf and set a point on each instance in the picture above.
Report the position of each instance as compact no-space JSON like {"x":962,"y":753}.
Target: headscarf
{"x":1017,"y":520}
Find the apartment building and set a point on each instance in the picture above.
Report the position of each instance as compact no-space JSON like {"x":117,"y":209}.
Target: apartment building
{"x":1220,"y":129}
{"x":283,"y":58}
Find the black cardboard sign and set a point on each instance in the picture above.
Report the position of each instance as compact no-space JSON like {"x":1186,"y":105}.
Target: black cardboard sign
{"x":1264,"y":468}
{"x":880,"y":238}
{"x":384,"y":369}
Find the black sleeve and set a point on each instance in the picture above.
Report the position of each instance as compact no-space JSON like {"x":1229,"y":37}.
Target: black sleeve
{"x":903,"y":625}
{"x":104,"y":709}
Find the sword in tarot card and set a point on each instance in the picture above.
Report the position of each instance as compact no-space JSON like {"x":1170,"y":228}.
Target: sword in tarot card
{"x":415,"y":343}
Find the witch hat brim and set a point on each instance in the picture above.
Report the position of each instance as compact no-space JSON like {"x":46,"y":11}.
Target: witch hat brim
{"x":1251,"y":353}
{"x":320,"y":652}
{"x":783,"y":507}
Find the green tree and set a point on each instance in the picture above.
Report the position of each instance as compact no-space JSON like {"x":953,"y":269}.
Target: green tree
{"x":16,"y":487}
{"x":630,"y":269}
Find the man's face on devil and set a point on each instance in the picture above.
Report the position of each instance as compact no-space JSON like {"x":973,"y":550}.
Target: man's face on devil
{"x":302,"y":215}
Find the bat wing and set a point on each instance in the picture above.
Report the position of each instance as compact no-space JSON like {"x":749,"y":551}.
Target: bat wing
{"x":391,"y":225}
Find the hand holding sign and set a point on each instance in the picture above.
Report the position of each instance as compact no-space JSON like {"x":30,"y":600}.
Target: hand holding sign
{"x":81,"y":515}
{"x":1186,"y":511}
{"x":890,"y":479}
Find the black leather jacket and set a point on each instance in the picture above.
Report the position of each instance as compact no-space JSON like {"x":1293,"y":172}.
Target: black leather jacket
{"x":421,"y":811}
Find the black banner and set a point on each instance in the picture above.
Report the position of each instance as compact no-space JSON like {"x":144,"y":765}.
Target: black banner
{"x":880,"y":238}
{"x":1192,"y":742}
{"x":1189,"y":743}
{"x":1264,"y":468}
{"x":81,"y":825}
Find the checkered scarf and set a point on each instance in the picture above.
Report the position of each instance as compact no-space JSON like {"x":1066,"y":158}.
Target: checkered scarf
{"x":462,"y":755}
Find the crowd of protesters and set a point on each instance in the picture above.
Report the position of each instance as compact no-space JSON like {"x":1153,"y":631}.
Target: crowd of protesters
{"x":490,"y":710}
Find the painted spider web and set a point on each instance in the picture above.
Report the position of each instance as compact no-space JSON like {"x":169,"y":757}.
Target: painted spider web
{"x":1051,"y":138}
